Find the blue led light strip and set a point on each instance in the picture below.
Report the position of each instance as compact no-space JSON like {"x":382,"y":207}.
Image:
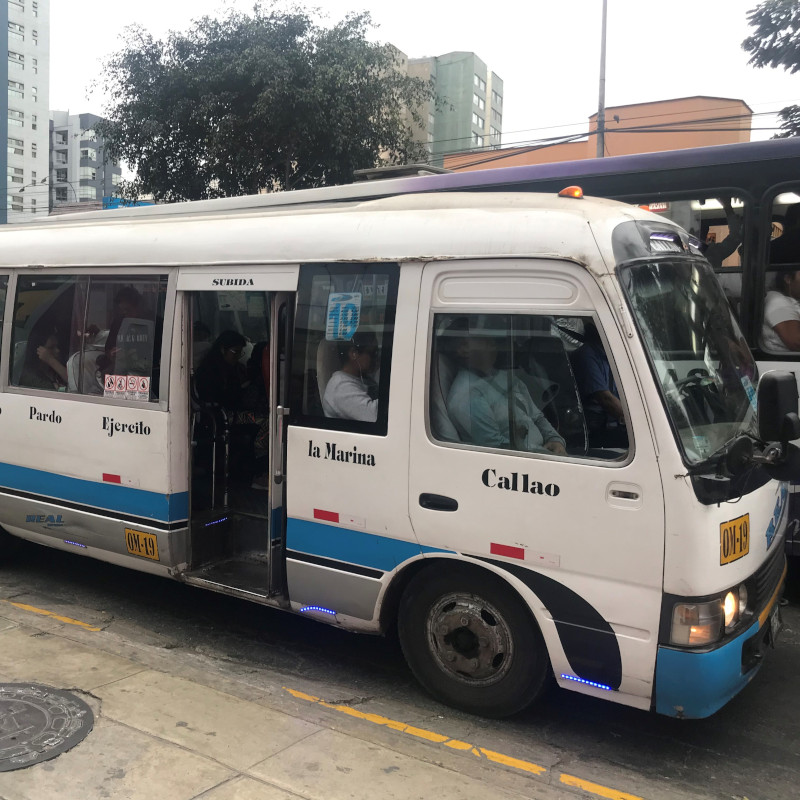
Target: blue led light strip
{"x":319,"y":608}
{"x":587,"y":683}
{"x":76,"y":544}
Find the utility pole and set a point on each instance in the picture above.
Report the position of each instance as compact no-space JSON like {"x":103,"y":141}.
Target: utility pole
{"x":601,"y":109}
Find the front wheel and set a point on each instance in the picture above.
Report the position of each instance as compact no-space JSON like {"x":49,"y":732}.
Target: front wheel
{"x":470,"y":641}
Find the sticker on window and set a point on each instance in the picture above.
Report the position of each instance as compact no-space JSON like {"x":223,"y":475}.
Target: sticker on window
{"x":344,"y":313}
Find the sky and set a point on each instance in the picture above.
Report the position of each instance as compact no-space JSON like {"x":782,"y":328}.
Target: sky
{"x":547,"y":53}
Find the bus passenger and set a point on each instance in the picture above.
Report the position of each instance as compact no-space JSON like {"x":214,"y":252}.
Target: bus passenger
{"x":478,"y":403}
{"x":605,"y":419}
{"x":785,"y":249}
{"x":220,"y":376}
{"x":780,"y":332}
{"x":351,"y":392}
{"x":42,"y":368}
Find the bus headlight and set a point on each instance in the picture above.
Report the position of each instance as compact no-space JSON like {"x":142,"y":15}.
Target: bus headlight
{"x":696,"y":624}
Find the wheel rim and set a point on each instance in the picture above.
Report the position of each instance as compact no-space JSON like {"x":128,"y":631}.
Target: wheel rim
{"x":469,"y":639}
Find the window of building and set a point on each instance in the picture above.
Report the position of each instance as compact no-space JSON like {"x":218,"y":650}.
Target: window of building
{"x":16,"y":31}
{"x":480,"y":83}
{"x":34,"y":150}
{"x":116,"y":179}
{"x":477,"y":120}
{"x":93,"y":335}
{"x":478,"y":101}
{"x":89,"y":135}
{"x":88,"y":174}
{"x":14,"y":203}
{"x":16,"y":147}
{"x":497,"y":99}
{"x":16,"y":118}
{"x":33,"y":206}
{"x":89,"y":153}
{"x":35,"y":63}
{"x":35,"y":8}
{"x":344,"y":330}
{"x":497,"y":116}
{"x":34,"y":124}
{"x":431,"y":120}
{"x":61,"y":194}
{"x":87,"y":193}
{"x":33,"y":173}
{"x":16,"y":90}
{"x":15,"y":6}
{"x":494,"y":132}
{"x":35,"y":94}
{"x":526,"y":383}
{"x":477,"y":139}
{"x":61,"y":175}
{"x":35,"y":35}
{"x":15,"y":175}
{"x":16,"y":60}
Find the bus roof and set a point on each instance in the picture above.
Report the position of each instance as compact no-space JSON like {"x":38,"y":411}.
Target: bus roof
{"x":416,"y":226}
{"x":755,"y":163}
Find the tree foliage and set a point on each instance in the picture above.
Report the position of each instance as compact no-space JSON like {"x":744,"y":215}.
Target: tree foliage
{"x":266,"y":100}
{"x":775,"y":42}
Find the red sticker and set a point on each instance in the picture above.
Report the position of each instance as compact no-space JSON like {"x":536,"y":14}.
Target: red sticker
{"x":121,"y":383}
{"x":133,"y":383}
{"x":109,"y":383}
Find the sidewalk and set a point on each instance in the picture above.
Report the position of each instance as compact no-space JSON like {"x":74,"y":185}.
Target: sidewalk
{"x":198,"y":734}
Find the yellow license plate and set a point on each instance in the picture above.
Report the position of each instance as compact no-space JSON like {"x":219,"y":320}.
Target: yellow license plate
{"x":141,"y":544}
{"x":734,"y":539}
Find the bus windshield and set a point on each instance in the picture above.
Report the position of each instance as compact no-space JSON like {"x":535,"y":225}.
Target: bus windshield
{"x":706,"y":373}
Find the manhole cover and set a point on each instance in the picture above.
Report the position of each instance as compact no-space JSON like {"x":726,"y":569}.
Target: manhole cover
{"x":38,"y":723}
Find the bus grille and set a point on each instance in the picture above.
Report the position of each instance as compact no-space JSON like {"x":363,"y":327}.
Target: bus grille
{"x":766,"y":579}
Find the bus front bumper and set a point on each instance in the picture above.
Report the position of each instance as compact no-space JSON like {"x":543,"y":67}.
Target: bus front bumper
{"x":694,"y":685}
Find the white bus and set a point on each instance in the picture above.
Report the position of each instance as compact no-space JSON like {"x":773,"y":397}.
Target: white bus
{"x":386,"y":413}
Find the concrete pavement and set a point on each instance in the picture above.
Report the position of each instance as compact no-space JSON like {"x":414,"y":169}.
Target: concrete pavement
{"x":165,"y":727}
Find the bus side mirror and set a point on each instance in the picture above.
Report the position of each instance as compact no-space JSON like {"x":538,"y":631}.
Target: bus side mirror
{"x":777,"y":407}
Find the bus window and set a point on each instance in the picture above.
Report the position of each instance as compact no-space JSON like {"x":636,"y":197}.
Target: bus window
{"x":526,"y":383}
{"x":780,"y":331}
{"x":716,"y":223}
{"x":343,"y":339}
{"x":89,"y":335}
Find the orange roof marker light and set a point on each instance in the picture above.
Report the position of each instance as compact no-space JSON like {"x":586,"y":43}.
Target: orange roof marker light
{"x":572,"y":191}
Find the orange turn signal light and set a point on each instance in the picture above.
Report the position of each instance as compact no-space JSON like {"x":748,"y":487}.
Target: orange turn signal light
{"x":571,"y":191}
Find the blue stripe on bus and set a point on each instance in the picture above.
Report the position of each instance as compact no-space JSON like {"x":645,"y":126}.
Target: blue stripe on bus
{"x":354,"y":547}
{"x":103,"y":496}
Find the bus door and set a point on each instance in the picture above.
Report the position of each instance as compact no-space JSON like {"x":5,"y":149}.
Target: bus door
{"x":515,"y":467}
{"x":237,"y":327}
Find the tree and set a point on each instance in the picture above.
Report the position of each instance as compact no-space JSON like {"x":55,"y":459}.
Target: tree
{"x":266,"y":100}
{"x":775,"y":42}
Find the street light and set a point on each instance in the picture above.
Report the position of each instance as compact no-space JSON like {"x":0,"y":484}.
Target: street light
{"x":50,"y":190}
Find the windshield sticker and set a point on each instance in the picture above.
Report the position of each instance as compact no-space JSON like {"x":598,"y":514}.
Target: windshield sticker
{"x":750,"y":391}
{"x":702,"y":446}
{"x":344,"y":313}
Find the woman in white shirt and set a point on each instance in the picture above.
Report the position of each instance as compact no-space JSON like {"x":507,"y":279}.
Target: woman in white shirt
{"x":781,"y":330}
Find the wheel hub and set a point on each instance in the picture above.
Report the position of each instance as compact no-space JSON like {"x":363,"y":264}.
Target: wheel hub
{"x":469,"y":639}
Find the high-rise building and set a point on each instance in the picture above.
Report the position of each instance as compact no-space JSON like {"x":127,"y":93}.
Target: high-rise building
{"x":27,"y":72}
{"x":80,"y":171}
{"x":470,"y":116}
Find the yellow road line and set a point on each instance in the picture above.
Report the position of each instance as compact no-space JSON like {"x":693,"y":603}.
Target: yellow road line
{"x":596,"y":789}
{"x":481,"y":752}
{"x":46,"y":613}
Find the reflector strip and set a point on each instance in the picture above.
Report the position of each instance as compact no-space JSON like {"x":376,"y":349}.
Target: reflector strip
{"x":328,"y":516}
{"x":507,"y":550}
{"x":111,"y":478}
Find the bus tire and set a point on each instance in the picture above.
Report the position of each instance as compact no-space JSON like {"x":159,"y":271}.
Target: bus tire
{"x":470,"y":641}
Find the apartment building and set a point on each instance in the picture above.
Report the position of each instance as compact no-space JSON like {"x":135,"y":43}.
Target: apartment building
{"x":27,"y":73}
{"x":471,"y":114}
{"x":81,"y":175}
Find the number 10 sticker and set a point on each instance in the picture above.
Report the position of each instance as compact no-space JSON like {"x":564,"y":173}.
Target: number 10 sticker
{"x":344,"y":313}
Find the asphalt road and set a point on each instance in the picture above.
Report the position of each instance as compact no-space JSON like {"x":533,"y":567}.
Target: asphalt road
{"x":750,"y":749}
